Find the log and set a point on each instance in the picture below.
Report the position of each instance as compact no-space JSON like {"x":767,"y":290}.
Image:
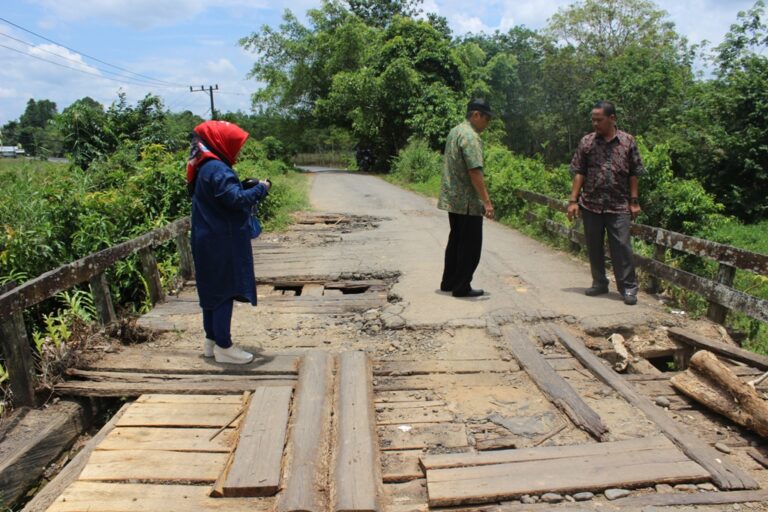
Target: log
{"x":713,"y":384}
{"x":719,"y":348}
{"x":724,"y":474}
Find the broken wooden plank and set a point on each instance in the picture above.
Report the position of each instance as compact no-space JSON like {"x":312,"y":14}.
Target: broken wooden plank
{"x":153,"y":466}
{"x":719,"y":348}
{"x":423,"y":435}
{"x":129,"y":497}
{"x":711,"y":383}
{"x":45,"y":497}
{"x":401,"y":466}
{"x":486,"y":484}
{"x":454,"y":460}
{"x":416,"y":404}
{"x":413,"y":415}
{"x":174,"y":439}
{"x":402,"y":368}
{"x":177,"y":415}
{"x":725,"y":474}
{"x":210,"y":386}
{"x":257,"y":463}
{"x":553,"y":385}
{"x":179,"y":361}
{"x":357,"y":472}
{"x":699,"y":498}
{"x":309,"y":436}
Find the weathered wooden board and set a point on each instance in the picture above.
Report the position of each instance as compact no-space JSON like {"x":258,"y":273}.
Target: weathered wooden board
{"x":725,"y":474}
{"x":413,"y":415}
{"x":178,"y":415}
{"x":424,"y":435}
{"x":485,"y":484}
{"x":161,"y":361}
{"x":701,"y":498}
{"x":174,"y":439}
{"x":407,"y":395}
{"x":257,"y":463}
{"x":309,"y":436}
{"x":153,"y":466}
{"x":401,"y":466}
{"x":416,"y":404}
{"x":729,"y":351}
{"x":553,"y":385}
{"x":189,"y":399}
{"x":194,"y":384}
{"x":402,"y":368}
{"x":357,"y":471}
{"x":455,"y":460}
{"x":122,"y":497}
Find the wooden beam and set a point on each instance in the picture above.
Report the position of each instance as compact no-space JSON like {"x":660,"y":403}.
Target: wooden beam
{"x":726,"y":475}
{"x":305,"y":489}
{"x":257,"y":463}
{"x":151,"y":274}
{"x":19,"y":363}
{"x":45,"y":497}
{"x":102,"y":299}
{"x":719,"y":348}
{"x":357,"y":473}
{"x":186,"y":263}
{"x":699,"y":498}
{"x":553,"y":385}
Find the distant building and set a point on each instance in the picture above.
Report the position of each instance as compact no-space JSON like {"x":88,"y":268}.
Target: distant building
{"x":11,"y":151}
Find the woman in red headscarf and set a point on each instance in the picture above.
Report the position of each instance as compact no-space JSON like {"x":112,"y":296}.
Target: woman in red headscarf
{"x":221,"y":233}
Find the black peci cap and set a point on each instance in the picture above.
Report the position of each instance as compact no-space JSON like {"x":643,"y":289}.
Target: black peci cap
{"x":480,"y":105}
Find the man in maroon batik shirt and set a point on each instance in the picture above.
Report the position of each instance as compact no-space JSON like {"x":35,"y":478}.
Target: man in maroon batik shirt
{"x":604,"y":193}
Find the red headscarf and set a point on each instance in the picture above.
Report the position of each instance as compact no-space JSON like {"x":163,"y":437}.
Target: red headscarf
{"x":217,"y":139}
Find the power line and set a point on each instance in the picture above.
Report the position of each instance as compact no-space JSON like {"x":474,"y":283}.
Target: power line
{"x":80,"y":62}
{"x":70,"y":67}
{"x":211,"y":88}
{"x":89,"y":56}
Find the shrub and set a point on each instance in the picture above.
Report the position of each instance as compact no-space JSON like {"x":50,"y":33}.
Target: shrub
{"x":417,"y":163}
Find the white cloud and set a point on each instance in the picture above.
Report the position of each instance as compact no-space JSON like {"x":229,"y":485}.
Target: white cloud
{"x":220,"y":66}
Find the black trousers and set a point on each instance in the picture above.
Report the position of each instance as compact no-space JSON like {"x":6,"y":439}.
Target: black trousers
{"x":462,"y":254}
{"x":617,"y":225}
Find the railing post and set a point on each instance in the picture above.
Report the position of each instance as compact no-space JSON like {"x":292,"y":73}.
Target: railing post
{"x":660,"y":255}
{"x":186,"y":263}
{"x":725,"y":275}
{"x":102,"y":299}
{"x":151,"y":274}
{"x":18,"y":356}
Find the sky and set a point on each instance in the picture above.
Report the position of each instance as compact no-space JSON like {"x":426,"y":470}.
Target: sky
{"x":170,"y":45}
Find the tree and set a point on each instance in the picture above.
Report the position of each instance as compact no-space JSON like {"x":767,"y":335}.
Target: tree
{"x":85,"y":132}
{"x":380,"y":13}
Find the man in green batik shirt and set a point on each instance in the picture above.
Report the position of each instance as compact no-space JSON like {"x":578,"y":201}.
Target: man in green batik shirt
{"x":464,"y":195}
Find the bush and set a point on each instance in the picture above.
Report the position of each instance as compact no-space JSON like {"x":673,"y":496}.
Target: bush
{"x":417,"y":163}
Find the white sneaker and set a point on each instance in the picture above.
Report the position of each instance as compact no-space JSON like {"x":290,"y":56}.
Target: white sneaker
{"x":232,"y":355}
{"x":208,"y":345}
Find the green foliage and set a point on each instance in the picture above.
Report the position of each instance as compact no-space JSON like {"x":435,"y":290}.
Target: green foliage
{"x":417,"y":163}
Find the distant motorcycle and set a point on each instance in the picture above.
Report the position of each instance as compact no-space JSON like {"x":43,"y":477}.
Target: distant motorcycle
{"x":364,"y":158}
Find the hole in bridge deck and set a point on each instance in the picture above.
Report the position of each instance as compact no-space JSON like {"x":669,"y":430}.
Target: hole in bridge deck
{"x":664,"y":363}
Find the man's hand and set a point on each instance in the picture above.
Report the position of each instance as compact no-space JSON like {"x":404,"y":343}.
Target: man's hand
{"x":573,"y":211}
{"x":489,"y":211}
{"x":634,"y":210}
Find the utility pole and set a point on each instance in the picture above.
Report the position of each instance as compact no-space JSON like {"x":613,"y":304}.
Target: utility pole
{"x":210,"y":90}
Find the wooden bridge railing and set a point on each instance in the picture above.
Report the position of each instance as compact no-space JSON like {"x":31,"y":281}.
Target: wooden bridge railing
{"x":720,"y":293}
{"x":14,"y":343}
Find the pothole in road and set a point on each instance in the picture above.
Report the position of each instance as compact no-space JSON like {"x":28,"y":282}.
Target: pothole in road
{"x":337,"y":222}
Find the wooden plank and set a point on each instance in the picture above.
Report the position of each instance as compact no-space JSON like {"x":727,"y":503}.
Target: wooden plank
{"x":409,"y":395}
{"x":424,"y":435}
{"x":454,"y":460}
{"x":18,"y":359}
{"x":43,"y":435}
{"x":130,"y":389}
{"x":729,"y":351}
{"x":725,"y":474}
{"x":401,"y":466}
{"x":153,"y":466}
{"x":255,"y":470}
{"x":553,"y":385}
{"x":189,"y":399}
{"x":45,"y":497}
{"x":398,"y":368}
{"x":412,"y":415}
{"x":126,"y":497}
{"x":172,"y":439}
{"x":680,"y":499}
{"x":312,"y":290}
{"x":416,"y":404}
{"x":357,"y":471}
{"x":485,"y":484}
{"x":309,"y":436}
{"x":178,"y":415}
{"x":178,"y":361}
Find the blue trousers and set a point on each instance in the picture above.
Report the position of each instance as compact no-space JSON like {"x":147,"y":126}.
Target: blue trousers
{"x":217,"y":324}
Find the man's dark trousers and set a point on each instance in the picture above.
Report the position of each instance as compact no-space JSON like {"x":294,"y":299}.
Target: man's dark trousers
{"x":617,"y":226}
{"x":462,"y":254}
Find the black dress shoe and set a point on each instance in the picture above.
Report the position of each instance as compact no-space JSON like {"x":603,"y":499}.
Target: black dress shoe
{"x":469,"y":293}
{"x":596,"y":290}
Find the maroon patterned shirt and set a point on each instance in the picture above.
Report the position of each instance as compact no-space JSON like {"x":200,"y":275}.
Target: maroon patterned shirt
{"x":606,"y":166}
